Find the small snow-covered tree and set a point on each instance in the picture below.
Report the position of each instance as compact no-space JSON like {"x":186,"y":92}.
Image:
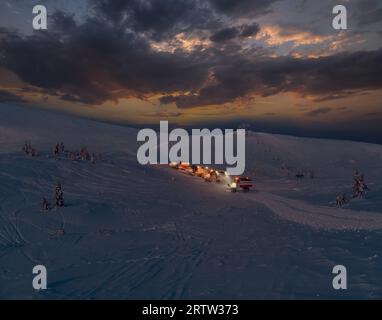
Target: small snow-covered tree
{"x":359,"y":185}
{"x":59,"y":195}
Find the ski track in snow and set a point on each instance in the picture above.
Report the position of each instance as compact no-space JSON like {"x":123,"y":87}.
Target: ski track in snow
{"x":317,"y":216}
{"x":134,"y":232}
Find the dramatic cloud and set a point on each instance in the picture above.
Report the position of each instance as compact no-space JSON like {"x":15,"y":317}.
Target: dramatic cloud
{"x":159,"y":19}
{"x":325,"y":77}
{"x":275,"y":35}
{"x":319,"y":111}
{"x":372,"y":17}
{"x":244,"y":31}
{"x":95,"y":63}
{"x":188,"y":52}
{"x":243,"y":7}
{"x":368,"y":12}
{"x":6,"y":96}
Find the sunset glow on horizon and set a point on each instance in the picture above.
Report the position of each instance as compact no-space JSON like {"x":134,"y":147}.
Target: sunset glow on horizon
{"x":197,"y":63}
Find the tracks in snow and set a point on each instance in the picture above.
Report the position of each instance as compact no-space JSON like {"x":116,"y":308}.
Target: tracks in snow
{"x":317,"y":216}
{"x":10,"y":235}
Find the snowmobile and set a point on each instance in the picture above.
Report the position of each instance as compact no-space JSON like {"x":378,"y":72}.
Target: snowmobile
{"x":201,"y":171}
{"x":185,"y":167}
{"x":189,"y":171}
{"x":243,"y":183}
{"x":221,"y":176}
{"x":210,"y":176}
{"x":232,"y":187}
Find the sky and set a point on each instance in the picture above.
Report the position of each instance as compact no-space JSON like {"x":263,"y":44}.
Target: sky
{"x":272,"y":65}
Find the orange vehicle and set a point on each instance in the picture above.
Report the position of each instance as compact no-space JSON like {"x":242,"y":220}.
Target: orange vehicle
{"x":201,"y":171}
{"x":210,"y":175}
{"x":185,"y":167}
{"x":174,"y":165}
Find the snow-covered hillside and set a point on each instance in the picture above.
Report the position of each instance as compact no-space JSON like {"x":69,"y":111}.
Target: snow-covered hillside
{"x":129,"y":231}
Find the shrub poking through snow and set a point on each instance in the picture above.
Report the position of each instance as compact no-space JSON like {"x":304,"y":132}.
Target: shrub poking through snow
{"x":29,"y":150}
{"x":45,"y":206}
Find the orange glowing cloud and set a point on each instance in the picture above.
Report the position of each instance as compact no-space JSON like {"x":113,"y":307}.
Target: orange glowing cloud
{"x":183,"y":42}
{"x":275,"y":36}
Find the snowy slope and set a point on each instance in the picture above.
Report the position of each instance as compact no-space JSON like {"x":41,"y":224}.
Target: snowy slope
{"x":129,"y":231}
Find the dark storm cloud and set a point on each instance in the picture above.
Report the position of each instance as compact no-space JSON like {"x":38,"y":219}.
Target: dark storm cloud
{"x":63,"y":21}
{"x":230,"y":33}
{"x":225,"y":35}
{"x":341,"y":74}
{"x":93,"y":61}
{"x":243,"y":7}
{"x":163,"y":17}
{"x":108,"y":56}
{"x":158,"y":18}
{"x":368,"y":12}
{"x":371,"y":17}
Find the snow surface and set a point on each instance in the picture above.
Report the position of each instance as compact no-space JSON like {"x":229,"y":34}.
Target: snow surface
{"x":134,"y":232}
